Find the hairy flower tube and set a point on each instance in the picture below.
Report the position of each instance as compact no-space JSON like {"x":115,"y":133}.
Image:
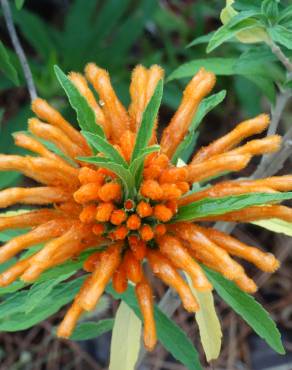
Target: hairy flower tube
{"x":116,"y":192}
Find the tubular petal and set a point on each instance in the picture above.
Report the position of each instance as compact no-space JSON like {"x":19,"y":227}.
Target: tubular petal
{"x":145,"y":299}
{"x":200,"y":86}
{"x":178,"y":255}
{"x":242,"y":130}
{"x":163,"y":268}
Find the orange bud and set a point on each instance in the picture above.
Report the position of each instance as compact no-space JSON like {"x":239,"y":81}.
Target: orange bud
{"x":134,"y":222}
{"x":104,"y":211}
{"x":151,"y":189}
{"x":110,"y":191}
{"x":173,"y":175}
{"x":149,"y":159}
{"x":106,"y":172}
{"x":87,"y":193}
{"x":152,"y":172}
{"x":87,"y":175}
{"x":162,"y":213}
{"x":170,"y":191}
{"x":120,"y":281}
{"x":98,"y":229}
{"x":120,"y":233}
{"x":91,"y":262}
{"x":161,"y":160}
{"x":129,"y":205}
{"x":88,"y":213}
{"x":146,"y":232}
{"x":172,"y":205}
{"x":133,"y":267}
{"x":183,"y":186}
{"x":160,"y":229}
{"x":118,"y":217}
{"x":144,"y":209}
{"x":138,"y":248}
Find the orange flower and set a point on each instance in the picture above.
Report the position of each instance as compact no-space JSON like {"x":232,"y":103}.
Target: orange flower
{"x":90,"y":206}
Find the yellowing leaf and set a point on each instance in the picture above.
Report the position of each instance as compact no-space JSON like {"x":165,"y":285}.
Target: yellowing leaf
{"x":208,"y":323}
{"x":276,"y":225}
{"x":126,"y":337}
{"x":250,"y":36}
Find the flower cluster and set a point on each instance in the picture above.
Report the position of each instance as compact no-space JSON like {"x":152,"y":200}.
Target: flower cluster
{"x":87,"y":207}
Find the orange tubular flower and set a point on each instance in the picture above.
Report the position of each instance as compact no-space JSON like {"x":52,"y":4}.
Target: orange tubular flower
{"x":129,"y":204}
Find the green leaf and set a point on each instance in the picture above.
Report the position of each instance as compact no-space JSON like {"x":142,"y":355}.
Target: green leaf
{"x":148,"y":120}
{"x":136,"y":167}
{"x":6,"y":66}
{"x":281,"y":35}
{"x":185,"y":148}
{"x":248,"y":308}
{"x":16,"y":304}
{"x":90,"y":330}
{"x":125,"y":344}
{"x":285,"y":17}
{"x":36,"y":32}
{"x":19,"y":4}
{"x":226,"y":32}
{"x":123,"y":173}
{"x":275,"y":225}
{"x":169,"y":334}
{"x":219,"y":66}
{"x":85,"y":114}
{"x":201,"y":40}
{"x":271,"y":9}
{"x":208,"y":323}
{"x":40,"y":291}
{"x":219,"y":206}
{"x":103,"y":146}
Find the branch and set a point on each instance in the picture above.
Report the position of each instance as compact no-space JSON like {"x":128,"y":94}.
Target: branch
{"x":18,"y":49}
{"x":281,"y":56}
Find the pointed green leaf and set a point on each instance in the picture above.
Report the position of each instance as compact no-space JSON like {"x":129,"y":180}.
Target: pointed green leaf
{"x":169,"y":334}
{"x":19,"y":4}
{"x":208,"y":323}
{"x":16,"y":304}
{"x":281,"y":35}
{"x":103,"y":146}
{"x":219,"y":206}
{"x":125,"y":344}
{"x":136,"y":167}
{"x":85,"y":115}
{"x":248,"y":308}
{"x":148,"y":120}
{"x":90,"y":330}
{"x":6,"y":67}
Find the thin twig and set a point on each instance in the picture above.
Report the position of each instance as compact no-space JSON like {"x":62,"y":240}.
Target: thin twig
{"x":281,"y":56}
{"x":18,"y":49}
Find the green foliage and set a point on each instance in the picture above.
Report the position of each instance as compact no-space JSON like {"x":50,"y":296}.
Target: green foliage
{"x":6,"y":66}
{"x":85,"y":114}
{"x":220,"y":206}
{"x":148,"y":121}
{"x":16,"y":306}
{"x":169,"y":334}
{"x":248,"y":308}
{"x":90,"y":329}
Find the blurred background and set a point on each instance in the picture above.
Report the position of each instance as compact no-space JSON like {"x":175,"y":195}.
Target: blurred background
{"x":117,"y":35}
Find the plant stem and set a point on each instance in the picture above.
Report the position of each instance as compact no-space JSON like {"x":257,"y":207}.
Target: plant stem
{"x":281,"y":56}
{"x":18,"y":49}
